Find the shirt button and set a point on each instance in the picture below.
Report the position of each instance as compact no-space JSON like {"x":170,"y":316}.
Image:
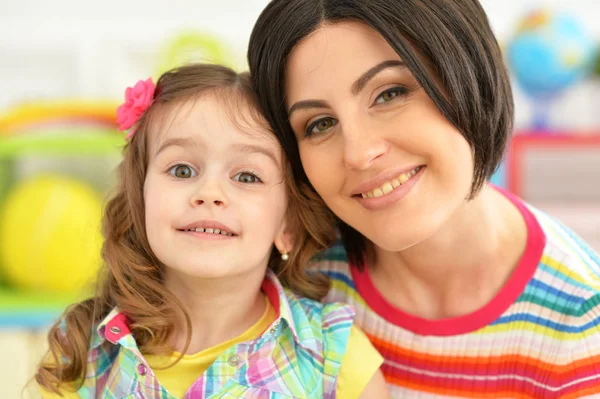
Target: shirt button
{"x":115,"y":330}
{"x":141,"y":368}
{"x":234,"y":360}
{"x":273,"y":329}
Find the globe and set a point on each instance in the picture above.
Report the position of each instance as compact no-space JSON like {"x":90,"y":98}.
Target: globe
{"x":549,"y":53}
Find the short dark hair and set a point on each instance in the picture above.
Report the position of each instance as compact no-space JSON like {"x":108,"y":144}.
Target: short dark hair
{"x":448,"y":45}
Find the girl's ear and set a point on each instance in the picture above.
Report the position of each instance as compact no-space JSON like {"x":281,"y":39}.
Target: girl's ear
{"x":284,"y":240}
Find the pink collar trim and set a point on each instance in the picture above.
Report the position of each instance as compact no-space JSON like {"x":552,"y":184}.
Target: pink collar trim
{"x":116,"y":325}
{"x":515,"y":286}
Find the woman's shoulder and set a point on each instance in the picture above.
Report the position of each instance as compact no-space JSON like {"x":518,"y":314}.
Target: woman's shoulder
{"x":568,"y":280}
{"x":567,"y":255}
{"x":553,"y":245}
{"x":332,"y":262}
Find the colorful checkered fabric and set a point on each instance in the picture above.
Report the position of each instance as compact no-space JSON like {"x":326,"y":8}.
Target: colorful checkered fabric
{"x":298,"y":356}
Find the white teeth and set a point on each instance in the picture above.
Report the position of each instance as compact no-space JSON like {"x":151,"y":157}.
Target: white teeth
{"x":211,"y":231}
{"x":388,"y":187}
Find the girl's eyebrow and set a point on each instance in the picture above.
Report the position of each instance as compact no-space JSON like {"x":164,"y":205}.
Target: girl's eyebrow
{"x":187,"y":142}
{"x":183,"y":142}
{"x":254,"y":149}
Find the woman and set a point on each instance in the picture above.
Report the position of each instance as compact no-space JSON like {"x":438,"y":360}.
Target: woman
{"x":398,"y":112}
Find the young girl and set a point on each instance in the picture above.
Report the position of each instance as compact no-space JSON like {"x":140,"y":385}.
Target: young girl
{"x":204,"y":294}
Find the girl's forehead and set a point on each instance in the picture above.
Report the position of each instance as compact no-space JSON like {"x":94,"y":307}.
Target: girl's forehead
{"x":215,"y":122}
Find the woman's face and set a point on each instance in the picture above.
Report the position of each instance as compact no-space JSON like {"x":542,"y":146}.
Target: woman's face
{"x":372,"y":142}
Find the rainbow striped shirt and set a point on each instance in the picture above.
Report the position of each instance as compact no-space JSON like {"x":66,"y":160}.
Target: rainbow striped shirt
{"x":538,"y":338}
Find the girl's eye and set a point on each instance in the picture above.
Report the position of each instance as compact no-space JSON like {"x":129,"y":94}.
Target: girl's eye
{"x":389,"y":95}
{"x":246,"y":177}
{"x":182,"y":171}
{"x":320,"y":126}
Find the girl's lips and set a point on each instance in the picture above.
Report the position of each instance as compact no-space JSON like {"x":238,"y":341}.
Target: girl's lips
{"x":203,"y":225}
{"x":208,"y":236}
{"x":392,"y":197}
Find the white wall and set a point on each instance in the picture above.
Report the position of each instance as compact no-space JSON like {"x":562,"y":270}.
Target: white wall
{"x":88,"y":48}
{"x":97,"y":48}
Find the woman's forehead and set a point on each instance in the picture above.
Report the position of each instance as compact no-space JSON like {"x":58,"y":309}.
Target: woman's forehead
{"x":335,"y":53}
{"x":340,"y":41}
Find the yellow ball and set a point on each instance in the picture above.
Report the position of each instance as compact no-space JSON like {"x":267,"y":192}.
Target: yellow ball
{"x":50,"y":234}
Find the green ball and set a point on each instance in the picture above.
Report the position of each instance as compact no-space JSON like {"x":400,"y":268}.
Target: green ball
{"x":192,"y":47}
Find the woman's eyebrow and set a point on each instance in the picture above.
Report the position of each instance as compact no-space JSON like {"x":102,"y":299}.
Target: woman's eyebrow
{"x":362,"y":81}
{"x":356,"y":87}
{"x":307,"y":104}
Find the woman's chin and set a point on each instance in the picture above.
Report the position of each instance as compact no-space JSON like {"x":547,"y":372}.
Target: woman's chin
{"x":400,"y":241}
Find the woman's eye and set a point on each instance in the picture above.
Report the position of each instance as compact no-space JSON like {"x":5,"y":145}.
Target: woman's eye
{"x":320,"y":126}
{"x":246,"y":177}
{"x":389,"y":95}
{"x":182,"y":171}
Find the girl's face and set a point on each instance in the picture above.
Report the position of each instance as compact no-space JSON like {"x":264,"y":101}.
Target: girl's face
{"x":214,"y":196}
{"x":372,"y":142}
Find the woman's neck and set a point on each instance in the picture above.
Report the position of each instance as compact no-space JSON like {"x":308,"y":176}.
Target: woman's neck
{"x":219,"y":309}
{"x":459,"y":269}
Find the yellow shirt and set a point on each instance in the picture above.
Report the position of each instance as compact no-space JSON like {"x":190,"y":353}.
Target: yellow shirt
{"x":179,"y":378}
{"x":359,"y":364}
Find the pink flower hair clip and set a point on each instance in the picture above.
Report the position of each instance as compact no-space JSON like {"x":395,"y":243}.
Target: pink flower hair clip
{"x":137,"y":100}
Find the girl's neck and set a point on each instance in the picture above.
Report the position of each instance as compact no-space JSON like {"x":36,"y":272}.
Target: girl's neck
{"x":459,"y":269}
{"x":219,"y":309}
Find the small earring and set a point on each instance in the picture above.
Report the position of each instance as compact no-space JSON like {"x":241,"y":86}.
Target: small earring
{"x":285,"y":256}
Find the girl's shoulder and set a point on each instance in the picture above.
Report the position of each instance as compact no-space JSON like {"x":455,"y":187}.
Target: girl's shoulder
{"x":99,"y":358}
{"x":307,"y":316}
{"x":322,"y":329}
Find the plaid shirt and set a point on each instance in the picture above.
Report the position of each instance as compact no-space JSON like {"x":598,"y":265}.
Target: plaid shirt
{"x":298,"y":356}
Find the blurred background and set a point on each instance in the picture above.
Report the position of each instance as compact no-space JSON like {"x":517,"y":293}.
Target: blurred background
{"x":63,"y":69}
